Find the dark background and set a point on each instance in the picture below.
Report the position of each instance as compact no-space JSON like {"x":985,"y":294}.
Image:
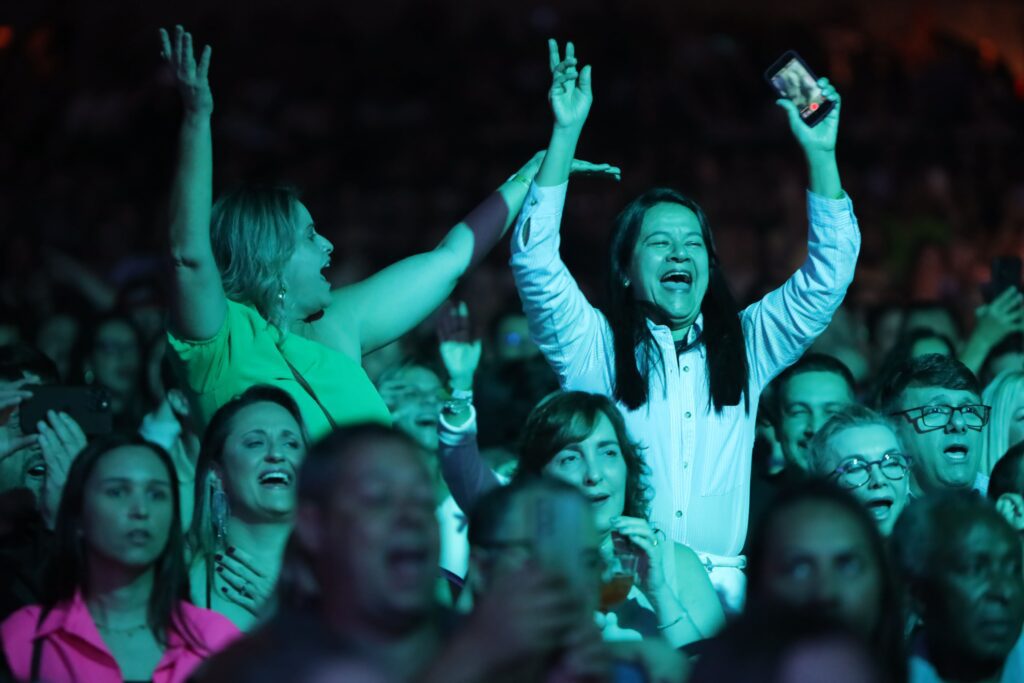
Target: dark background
{"x":396,"y":117}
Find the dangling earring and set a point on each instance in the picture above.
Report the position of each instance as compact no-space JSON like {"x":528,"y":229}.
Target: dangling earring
{"x":220,"y":512}
{"x":89,"y":376}
{"x":625,"y":283}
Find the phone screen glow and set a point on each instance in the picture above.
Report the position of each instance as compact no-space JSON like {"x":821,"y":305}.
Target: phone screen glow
{"x":795,"y":83}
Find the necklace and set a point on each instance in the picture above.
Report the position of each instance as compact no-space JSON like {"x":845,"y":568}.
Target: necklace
{"x":122,"y":630}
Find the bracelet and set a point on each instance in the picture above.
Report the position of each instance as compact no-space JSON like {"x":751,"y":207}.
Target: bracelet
{"x":456,"y":405}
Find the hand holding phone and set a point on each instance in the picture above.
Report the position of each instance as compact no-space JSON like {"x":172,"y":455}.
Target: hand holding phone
{"x":793,"y":80}
{"x":88,"y":406}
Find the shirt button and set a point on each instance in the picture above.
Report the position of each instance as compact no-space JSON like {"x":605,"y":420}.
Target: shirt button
{"x":688,"y":415}
{"x":686,"y":368}
{"x":685,"y":465}
{"x":679,"y":513}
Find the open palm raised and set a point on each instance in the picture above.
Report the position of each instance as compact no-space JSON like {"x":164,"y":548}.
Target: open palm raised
{"x":570,"y":94}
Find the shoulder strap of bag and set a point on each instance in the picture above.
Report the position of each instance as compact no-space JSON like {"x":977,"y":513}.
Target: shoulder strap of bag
{"x":309,"y":390}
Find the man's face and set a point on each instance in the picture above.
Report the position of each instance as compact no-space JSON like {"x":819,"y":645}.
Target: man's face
{"x":818,"y":555}
{"x":515,"y":543}
{"x":380,"y":533}
{"x":806,"y":402}
{"x":945,"y":457}
{"x":975,"y":607}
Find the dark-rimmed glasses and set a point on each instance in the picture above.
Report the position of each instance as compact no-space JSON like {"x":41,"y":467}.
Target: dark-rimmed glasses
{"x":930,"y":418}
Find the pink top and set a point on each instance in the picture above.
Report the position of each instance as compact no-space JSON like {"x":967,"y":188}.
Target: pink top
{"x":73,"y":650}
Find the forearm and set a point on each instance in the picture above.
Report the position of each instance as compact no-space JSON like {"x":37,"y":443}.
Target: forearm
{"x":192,"y":193}
{"x":674,"y":621}
{"x":557,"y":164}
{"x":976,"y":350}
{"x":824,"y":174}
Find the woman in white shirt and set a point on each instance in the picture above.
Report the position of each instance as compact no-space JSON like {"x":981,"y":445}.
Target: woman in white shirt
{"x":684,"y":364}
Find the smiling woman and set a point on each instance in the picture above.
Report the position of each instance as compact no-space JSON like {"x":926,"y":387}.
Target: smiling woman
{"x":684,"y":363}
{"x":251,"y":302}
{"x":245,"y":502}
{"x":581,"y":439}
{"x":117,"y":598}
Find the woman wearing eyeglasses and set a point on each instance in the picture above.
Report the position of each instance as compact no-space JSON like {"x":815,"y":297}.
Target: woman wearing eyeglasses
{"x":858,"y":450}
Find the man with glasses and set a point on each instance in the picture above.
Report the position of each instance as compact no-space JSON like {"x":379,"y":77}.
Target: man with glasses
{"x":934,"y":402}
{"x":859,"y":450}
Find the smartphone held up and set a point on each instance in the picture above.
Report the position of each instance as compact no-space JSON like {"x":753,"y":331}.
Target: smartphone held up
{"x":792,"y":79}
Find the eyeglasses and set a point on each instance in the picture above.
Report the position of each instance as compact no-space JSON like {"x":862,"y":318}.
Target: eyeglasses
{"x":856,"y":471}
{"x":929,"y":418}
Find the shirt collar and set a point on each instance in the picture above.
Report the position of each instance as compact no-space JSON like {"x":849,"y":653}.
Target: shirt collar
{"x":72,"y":617}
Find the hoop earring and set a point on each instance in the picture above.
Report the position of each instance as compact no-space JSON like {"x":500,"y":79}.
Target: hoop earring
{"x":220,"y":512}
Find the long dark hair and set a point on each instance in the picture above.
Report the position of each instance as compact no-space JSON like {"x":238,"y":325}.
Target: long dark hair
{"x":570,"y":417}
{"x":69,"y":567}
{"x":200,"y":534}
{"x":887,"y":639}
{"x":636,"y":353}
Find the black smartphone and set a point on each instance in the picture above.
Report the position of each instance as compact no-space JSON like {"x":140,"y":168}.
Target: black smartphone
{"x":791,"y":78}
{"x":88,"y":406}
{"x":1006,"y":273}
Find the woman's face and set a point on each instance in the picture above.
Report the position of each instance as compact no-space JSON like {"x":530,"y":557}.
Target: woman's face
{"x":818,"y":555}
{"x":597,"y":468}
{"x":883,"y":497}
{"x":116,"y":357}
{"x":128,"y":507}
{"x":307,"y":290}
{"x":260,"y":462}
{"x":670,"y":263}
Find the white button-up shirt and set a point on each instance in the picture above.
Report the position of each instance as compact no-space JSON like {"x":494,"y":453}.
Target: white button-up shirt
{"x":700,"y":459}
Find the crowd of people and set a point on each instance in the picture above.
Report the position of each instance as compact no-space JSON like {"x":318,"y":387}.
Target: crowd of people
{"x":242,"y":472}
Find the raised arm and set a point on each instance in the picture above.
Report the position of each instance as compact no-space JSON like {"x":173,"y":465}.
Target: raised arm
{"x":198,"y":302}
{"x":568,"y":329}
{"x":781,"y":326}
{"x":394,"y":300}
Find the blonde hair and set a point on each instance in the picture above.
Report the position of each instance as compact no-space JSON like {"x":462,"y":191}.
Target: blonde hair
{"x":253,"y":233}
{"x":1000,"y":394}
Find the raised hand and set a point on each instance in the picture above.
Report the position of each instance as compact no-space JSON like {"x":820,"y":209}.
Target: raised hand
{"x":570,"y":93}
{"x":459,"y":351}
{"x":819,"y":138}
{"x":193,"y":83}
{"x":1004,"y":316}
{"x":61,"y":440}
{"x":578,"y":167}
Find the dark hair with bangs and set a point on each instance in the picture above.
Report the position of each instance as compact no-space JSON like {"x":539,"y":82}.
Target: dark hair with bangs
{"x":566,"y":418}
{"x":69,"y":569}
{"x":636,"y":353}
